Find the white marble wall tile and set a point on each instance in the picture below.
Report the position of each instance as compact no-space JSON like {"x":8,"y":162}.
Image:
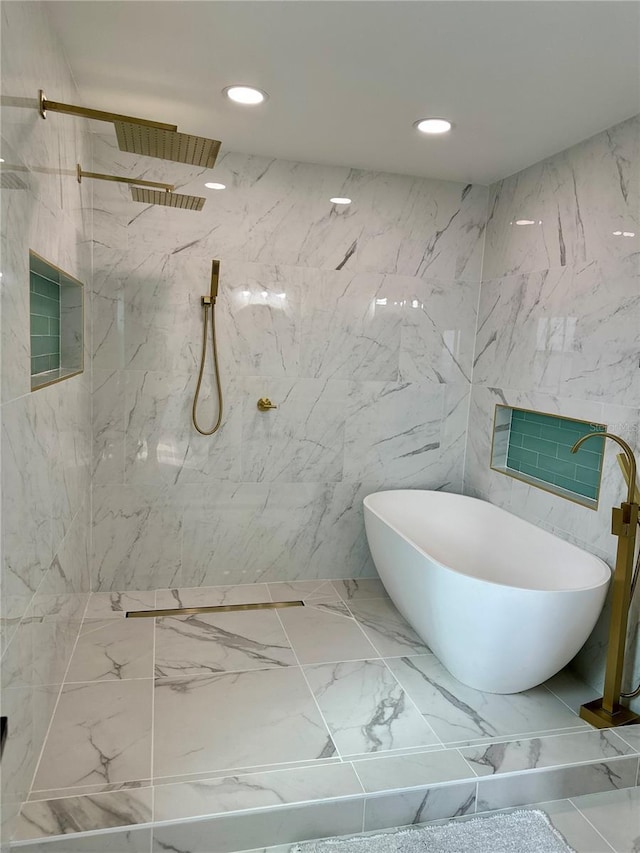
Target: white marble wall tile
{"x":438,"y":330}
{"x":275,"y":211}
{"x":411,"y":807}
{"x":351,"y":326}
{"x":571,"y":331}
{"x":261,"y":829}
{"x":137,"y":538}
{"x":300,"y":441}
{"x":108,"y":426}
{"x":576,"y":199}
{"x":85,"y":746}
{"x":161,"y":444}
{"x":69,"y":815}
{"x":255,"y":790}
{"x":393,"y":433}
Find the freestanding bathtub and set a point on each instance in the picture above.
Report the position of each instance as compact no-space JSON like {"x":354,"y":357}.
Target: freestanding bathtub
{"x":502,"y":603}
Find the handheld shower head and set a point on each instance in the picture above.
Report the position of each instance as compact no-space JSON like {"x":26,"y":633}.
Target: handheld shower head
{"x":215,"y":276}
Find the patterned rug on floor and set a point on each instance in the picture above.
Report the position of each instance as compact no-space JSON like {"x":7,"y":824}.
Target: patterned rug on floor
{"x":527,"y":831}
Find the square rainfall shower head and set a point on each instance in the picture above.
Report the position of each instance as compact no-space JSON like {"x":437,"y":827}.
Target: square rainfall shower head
{"x":167,"y":144}
{"x":168,"y":199}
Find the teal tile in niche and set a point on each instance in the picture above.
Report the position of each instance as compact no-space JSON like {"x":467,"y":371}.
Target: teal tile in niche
{"x":538,"y":450}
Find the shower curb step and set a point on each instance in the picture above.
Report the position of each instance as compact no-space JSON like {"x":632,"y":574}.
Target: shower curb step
{"x":302,"y":817}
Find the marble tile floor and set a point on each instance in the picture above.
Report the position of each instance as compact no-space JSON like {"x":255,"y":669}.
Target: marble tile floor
{"x":336,"y":706}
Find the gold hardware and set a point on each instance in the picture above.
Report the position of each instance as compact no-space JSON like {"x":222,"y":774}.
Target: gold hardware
{"x":623,"y":462}
{"x":167,"y":199}
{"x":98,"y":176}
{"x":221,"y":608}
{"x":209,"y":302}
{"x":607,"y":711}
{"x":140,"y":193}
{"x":264,"y":404}
{"x":141,"y":136}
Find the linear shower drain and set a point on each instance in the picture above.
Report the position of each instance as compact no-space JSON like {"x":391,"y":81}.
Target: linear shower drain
{"x":220,"y":608}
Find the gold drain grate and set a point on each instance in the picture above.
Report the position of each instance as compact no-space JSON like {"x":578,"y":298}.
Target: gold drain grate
{"x":221,"y":608}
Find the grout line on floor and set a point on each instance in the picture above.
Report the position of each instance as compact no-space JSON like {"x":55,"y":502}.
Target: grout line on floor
{"x":304,"y":675}
{"x":582,"y":814}
{"x":410,"y":698}
{"x":53,"y":715}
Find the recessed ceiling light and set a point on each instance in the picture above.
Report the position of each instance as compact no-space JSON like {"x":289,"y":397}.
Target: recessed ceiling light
{"x":212,"y":185}
{"x":1,"y":160}
{"x":339,"y":200}
{"x":247,"y":95}
{"x":628,"y":233}
{"x":433,"y":125}
{"x":617,"y":233}
{"x":525,"y":222}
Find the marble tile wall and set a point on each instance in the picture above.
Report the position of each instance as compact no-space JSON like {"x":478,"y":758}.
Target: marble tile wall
{"x":46,"y":435}
{"x":358,"y":322}
{"x":559,"y":331}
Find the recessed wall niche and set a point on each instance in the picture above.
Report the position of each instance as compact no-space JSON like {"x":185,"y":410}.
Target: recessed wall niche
{"x":536,"y":447}
{"x":57,"y":323}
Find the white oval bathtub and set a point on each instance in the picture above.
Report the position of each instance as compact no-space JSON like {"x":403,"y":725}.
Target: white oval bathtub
{"x":502,"y":603}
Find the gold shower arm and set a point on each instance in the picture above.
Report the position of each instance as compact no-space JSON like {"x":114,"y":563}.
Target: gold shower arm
{"x":623,"y":462}
{"x":135,"y":181}
{"x":98,"y":115}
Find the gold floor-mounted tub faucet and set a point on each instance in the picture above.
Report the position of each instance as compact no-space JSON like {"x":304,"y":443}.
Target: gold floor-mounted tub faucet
{"x":607,"y":711}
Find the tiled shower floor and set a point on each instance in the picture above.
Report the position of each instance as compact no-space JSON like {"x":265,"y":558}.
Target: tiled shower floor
{"x":317,"y":691}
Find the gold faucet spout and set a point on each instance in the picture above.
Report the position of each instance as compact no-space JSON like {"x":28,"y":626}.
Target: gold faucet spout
{"x":627,"y":451}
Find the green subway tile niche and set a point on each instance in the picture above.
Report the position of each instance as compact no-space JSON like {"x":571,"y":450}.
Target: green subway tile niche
{"x":536,"y":447}
{"x":57,"y":320}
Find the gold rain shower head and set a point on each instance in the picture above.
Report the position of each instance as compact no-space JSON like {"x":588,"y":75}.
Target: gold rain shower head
{"x":153,"y":195}
{"x":141,"y":136}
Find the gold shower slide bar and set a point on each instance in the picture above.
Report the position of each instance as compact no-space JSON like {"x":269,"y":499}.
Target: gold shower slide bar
{"x":221,"y":608}
{"x":98,"y":115}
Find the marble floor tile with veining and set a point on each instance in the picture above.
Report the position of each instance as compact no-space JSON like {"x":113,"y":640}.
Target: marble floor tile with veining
{"x":113,"y":649}
{"x":236,"y":720}
{"x":544,"y":752}
{"x":221,"y":642}
{"x":307,"y":591}
{"x":101,"y":732}
{"x":389,"y":632}
{"x":459,"y":713}
{"x":355,"y":590}
{"x":211,"y":596}
{"x":366,"y":709}
{"x":80,"y":814}
{"x":104,"y":604}
{"x":411,"y":771}
{"x":255,"y":790}
{"x":325,"y":632}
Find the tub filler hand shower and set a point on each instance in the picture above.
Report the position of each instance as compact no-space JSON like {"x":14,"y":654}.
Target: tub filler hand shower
{"x":209,"y":303}
{"x":607,"y":711}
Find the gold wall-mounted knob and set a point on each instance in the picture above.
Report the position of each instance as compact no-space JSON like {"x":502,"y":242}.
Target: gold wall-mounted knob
{"x":264,"y":404}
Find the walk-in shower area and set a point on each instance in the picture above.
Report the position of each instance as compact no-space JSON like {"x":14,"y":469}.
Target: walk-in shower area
{"x":293,"y":721}
{"x":316,"y":426}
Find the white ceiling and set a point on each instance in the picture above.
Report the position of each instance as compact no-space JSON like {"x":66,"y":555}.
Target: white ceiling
{"x":521,"y":79}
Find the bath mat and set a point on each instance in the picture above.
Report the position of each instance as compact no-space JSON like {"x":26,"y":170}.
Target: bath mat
{"x":527,"y":831}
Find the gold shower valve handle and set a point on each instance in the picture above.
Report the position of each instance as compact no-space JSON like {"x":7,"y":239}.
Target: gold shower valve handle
{"x":264,"y":404}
